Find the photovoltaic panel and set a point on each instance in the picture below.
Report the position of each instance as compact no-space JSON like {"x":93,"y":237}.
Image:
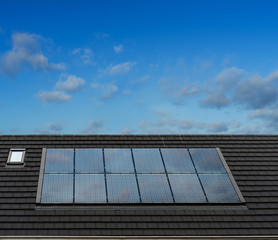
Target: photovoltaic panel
{"x":90,"y":188}
{"x":136,"y":175}
{"x":154,"y":188}
{"x":187,"y":188}
{"x":218,"y":188}
{"x":59,"y":161}
{"x":148,"y":161}
{"x":57,"y":188}
{"x":206,"y":160}
{"x":89,"y":161}
{"x":118,"y":161}
{"x":122,"y":188}
{"x":177,"y":160}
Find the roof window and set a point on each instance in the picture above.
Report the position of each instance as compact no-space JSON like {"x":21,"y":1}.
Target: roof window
{"x":16,"y":156}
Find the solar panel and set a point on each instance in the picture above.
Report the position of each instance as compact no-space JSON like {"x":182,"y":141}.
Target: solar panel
{"x":122,"y":188}
{"x":90,"y":188}
{"x":177,"y":160}
{"x":89,"y":161}
{"x":136,"y":175}
{"x":148,"y":161}
{"x":218,"y":188}
{"x":57,"y":188}
{"x":187,"y":188}
{"x":206,"y":160}
{"x":59,"y":161}
{"x":154,"y":188}
{"x":118,"y":161}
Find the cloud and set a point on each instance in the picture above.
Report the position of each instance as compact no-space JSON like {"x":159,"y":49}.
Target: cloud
{"x":85,"y":54}
{"x":107,"y":91}
{"x":202,"y":64}
{"x":102,"y":35}
{"x":165,"y":123}
{"x":118,"y":48}
{"x":218,"y":127}
{"x":177,"y":92}
{"x":269,"y":117}
{"x":235,"y":86}
{"x":127,"y":130}
{"x":51,"y":128}
{"x":216,"y":100}
{"x":141,"y":80}
{"x":120,"y":69}
{"x":26,"y":52}
{"x":71,"y":84}
{"x":93,"y":127}
{"x":14,"y":130}
{"x":54,"y":96}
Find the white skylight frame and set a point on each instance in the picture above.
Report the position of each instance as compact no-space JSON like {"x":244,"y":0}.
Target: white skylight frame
{"x":14,"y":158}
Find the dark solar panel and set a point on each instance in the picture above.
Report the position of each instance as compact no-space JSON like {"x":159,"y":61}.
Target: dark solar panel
{"x":148,"y":161}
{"x":59,"y":161}
{"x":122,"y":188}
{"x":136,"y":175}
{"x":118,"y":161}
{"x":154,"y":188}
{"x":57,"y":188}
{"x":177,"y":160}
{"x":89,"y":161}
{"x":90,"y":188}
{"x":186,"y":188}
{"x":206,"y":160}
{"x":218,"y":188}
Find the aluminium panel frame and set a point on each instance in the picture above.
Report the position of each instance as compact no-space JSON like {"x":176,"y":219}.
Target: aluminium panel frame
{"x":230,"y":175}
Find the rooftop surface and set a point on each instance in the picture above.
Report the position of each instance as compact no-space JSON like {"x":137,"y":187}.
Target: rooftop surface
{"x":252,"y":159}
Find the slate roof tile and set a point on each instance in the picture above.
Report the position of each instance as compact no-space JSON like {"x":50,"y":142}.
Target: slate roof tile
{"x":253,"y":159}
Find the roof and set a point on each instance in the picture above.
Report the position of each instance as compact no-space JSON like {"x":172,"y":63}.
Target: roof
{"x":252,"y":159}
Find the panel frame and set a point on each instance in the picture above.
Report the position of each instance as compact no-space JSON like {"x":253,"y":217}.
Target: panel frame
{"x":230,"y":175}
{"x":39,"y":191}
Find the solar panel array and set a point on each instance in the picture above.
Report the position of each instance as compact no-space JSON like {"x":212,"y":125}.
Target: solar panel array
{"x":136,"y":176}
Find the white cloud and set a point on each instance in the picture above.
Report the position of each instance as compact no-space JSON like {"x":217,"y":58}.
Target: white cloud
{"x":236,"y":86}
{"x":268,"y":117}
{"x":54,"y":96}
{"x":71,"y":84}
{"x":102,"y":35}
{"x":120,"y":68}
{"x":141,"y":80}
{"x":165,"y":123}
{"x":51,"y":128}
{"x":127,"y":92}
{"x":127,"y":130}
{"x":26,"y":52}
{"x":118,"y":48}
{"x":109,"y":91}
{"x":95,"y":85}
{"x":85,"y":54}
{"x":176,"y":91}
{"x":93,"y":127}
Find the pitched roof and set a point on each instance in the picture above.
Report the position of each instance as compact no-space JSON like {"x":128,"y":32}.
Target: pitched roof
{"x":253,"y":160}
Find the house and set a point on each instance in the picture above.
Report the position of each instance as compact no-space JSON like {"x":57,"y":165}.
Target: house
{"x":139,"y":187}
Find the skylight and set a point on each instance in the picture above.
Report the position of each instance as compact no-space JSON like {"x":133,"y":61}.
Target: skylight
{"x":16,"y":156}
{"x":151,"y":175}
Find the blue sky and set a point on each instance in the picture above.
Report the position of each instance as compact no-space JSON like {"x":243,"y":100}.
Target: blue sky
{"x":138,"y":67}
